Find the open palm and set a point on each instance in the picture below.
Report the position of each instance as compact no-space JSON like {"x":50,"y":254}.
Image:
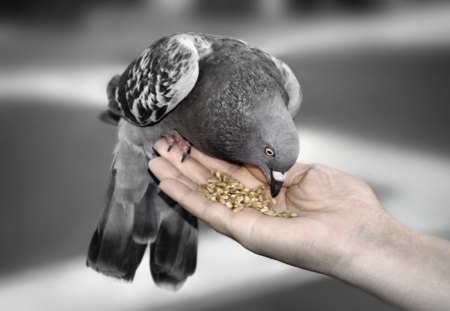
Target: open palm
{"x":333,"y":208}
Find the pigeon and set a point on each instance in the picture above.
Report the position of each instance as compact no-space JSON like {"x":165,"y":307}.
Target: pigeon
{"x":221,"y":95}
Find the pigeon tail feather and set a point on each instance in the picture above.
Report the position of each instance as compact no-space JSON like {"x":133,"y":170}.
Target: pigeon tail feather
{"x":173,"y":255}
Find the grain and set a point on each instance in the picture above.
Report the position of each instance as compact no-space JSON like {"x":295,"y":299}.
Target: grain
{"x":230,"y":192}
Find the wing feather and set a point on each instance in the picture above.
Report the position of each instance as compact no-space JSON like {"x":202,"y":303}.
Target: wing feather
{"x":161,"y":77}
{"x":291,"y":85}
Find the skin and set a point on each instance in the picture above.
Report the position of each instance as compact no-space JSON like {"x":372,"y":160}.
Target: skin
{"x":341,"y":231}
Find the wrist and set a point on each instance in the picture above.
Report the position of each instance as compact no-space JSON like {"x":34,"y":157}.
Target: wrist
{"x":370,"y":243}
{"x":399,"y":265}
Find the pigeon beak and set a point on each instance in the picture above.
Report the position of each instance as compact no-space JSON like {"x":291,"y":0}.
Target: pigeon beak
{"x":276,"y":182}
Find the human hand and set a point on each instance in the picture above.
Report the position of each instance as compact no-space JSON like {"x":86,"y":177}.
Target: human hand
{"x":334,"y":209}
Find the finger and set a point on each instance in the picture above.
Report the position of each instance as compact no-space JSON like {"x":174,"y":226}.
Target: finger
{"x":256,"y":171}
{"x":190,"y":167}
{"x":247,"y":174}
{"x":198,"y":166}
{"x":249,"y":227}
{"x":296,"y":173}
{"x":183,"y":191}
{"x":214,"y":214}
{"x":163,"y":169}
{"x":209,"y":162}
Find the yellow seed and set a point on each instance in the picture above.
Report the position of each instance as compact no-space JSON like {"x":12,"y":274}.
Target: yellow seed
{"x":230,"y":192}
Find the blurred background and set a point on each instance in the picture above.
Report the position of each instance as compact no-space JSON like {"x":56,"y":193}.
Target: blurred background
{"x":375,"y":77}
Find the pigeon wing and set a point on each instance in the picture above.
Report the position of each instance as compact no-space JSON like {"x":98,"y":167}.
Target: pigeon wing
{"x":160,"y":78}
{"x":291,"y":85}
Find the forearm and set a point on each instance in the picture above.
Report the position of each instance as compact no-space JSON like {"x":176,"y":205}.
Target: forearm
{"x":404,"y":267}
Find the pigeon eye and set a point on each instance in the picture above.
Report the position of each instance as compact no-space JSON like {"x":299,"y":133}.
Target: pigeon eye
{"x":269,"y":151}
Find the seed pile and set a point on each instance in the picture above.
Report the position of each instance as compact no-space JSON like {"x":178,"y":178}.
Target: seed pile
{"x":230,"y":192}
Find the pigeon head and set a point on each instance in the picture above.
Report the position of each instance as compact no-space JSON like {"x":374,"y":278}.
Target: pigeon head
{"x":273,"y":145}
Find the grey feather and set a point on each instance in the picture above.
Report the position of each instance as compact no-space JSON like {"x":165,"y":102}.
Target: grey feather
{"x":113,"y":250}
{"x":173,"y":255}
{"x":160,"y":78}
{"x":228,"y":99}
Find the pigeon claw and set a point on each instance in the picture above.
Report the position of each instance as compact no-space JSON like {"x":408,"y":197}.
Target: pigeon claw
{"x":173,"y":137}
{"x":186,"y":151}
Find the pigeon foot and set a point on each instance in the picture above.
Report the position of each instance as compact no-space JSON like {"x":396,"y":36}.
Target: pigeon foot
{"x":173,"y":137}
